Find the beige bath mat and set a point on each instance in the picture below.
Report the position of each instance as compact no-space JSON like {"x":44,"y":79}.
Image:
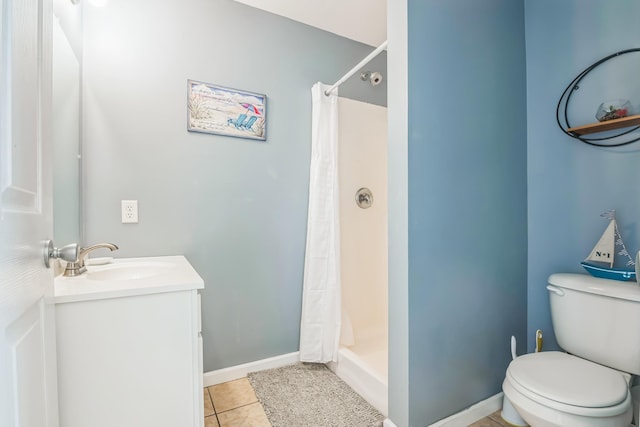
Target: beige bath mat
{"x":310,"y":395}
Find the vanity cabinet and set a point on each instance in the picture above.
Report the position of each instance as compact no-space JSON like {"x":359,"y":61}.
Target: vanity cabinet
{"x":130,"y":356}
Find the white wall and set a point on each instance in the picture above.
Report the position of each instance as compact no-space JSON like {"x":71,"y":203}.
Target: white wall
{"x":398,"y":142}
{"x":66,"y":42}
{"x":363,"y":163}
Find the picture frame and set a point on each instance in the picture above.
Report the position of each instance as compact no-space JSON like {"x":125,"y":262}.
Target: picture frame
{"x":225,"y":111}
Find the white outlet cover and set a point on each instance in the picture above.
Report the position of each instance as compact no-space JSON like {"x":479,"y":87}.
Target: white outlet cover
{"x":129,"y":211}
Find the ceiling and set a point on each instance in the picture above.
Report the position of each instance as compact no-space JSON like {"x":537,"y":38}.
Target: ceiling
{"x":361,"y":20}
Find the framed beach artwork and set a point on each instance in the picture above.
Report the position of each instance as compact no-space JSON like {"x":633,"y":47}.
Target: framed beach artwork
{"x":224,"y":111}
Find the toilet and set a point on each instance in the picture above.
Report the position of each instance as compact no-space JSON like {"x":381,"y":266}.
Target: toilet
{"x":597,"y":324}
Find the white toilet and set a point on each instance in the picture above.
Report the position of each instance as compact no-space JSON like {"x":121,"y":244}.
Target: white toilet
{"x":597,"y":321}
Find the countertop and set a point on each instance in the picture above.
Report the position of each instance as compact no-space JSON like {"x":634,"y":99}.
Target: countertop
{"x":124,"y":277}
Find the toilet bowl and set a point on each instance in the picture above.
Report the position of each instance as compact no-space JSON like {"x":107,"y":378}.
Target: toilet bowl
{"x":597,"y":322}
{"x":557,"y":389}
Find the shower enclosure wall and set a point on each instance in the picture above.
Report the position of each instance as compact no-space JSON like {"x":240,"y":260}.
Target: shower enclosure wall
{"x":362,"y":360}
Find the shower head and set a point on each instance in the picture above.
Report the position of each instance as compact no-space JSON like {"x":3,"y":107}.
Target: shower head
{"x":375,"y":78}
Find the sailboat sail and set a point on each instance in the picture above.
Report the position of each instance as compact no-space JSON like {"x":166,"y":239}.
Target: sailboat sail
{"x":604,"y":250}
{"x":604,"y":253}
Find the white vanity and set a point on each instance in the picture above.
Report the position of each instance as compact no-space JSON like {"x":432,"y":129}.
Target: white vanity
{"x":129,"y":345}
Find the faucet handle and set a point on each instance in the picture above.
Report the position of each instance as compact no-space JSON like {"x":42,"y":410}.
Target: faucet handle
{"x":77,"y":266}
{"x":83,"y":252}
{"x":67,"y":253}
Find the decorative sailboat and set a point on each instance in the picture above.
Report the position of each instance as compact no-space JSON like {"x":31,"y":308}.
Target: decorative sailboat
{"x":600,"y":262}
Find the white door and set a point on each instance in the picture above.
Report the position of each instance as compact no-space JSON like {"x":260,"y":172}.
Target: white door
{"x":28,"y":396}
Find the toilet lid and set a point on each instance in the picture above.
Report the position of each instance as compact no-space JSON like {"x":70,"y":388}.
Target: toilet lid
{"x":568,"y":379}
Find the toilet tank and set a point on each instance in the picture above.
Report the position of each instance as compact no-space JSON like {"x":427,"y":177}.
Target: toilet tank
{"x":597,"y":319}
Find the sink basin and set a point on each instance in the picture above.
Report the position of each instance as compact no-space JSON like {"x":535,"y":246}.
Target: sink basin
{"x":128,"y":277}
{"x":128,"y":271}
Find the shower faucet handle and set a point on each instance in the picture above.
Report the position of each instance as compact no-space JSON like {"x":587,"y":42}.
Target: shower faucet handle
{"x":364,"y":198}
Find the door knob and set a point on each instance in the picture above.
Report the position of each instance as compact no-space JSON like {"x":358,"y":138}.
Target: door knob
{"x":67,"y":253}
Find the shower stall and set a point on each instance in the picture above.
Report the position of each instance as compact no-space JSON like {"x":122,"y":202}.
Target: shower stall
{"x":362,"y":164}
{"x":345,"y":285}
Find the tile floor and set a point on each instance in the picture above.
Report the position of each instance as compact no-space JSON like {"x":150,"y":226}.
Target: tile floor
{"x":234,"y":404}
{"x":493,"y":420}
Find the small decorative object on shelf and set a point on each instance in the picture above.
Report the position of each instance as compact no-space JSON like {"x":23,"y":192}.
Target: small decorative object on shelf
{"x":611,"y":110}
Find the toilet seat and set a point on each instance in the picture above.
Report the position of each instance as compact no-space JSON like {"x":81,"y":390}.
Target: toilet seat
{"x":570,"y":384}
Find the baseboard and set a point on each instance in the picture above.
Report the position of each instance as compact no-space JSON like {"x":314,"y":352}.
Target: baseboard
{"x":466,"y":417}
{"x":473,"y":413}
{"x":239,"y":371}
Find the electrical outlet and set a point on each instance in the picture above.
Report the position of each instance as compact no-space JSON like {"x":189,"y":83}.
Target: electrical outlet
{"x":129,"y":211}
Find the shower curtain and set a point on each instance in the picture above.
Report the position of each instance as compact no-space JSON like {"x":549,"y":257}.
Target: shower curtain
{"x":321,"y":305}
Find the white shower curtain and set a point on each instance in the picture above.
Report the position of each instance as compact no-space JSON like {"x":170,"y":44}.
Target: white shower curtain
{"x":321,"y":305}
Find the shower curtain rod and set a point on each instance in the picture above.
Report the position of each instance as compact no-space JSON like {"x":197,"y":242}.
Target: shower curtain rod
{"x":357,"y":67}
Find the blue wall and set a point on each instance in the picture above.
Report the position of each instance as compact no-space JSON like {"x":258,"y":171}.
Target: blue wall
{"x":236,"y":208}
{"x":472,"y":149}
{"x":467,"y":200}
{"x":571,"y":183}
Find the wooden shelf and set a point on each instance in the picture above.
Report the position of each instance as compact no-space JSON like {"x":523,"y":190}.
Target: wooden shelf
{"x":607,"y":125}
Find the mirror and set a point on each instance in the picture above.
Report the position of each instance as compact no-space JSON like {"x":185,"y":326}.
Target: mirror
{"x":66,"y":117}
